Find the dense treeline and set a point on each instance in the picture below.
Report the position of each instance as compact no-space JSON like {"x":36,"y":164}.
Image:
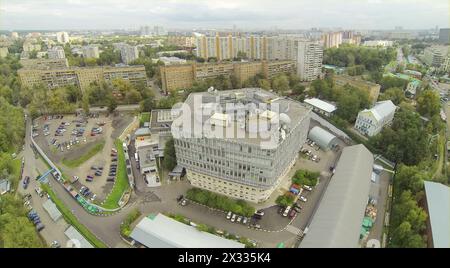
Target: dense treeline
{"x":359,"y":58}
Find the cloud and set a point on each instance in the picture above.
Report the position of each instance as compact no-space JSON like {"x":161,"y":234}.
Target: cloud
{"x":292,"y":14}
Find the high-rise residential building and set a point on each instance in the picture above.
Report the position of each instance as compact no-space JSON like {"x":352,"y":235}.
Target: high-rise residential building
{"x":91,"y":51}
{"x":129,"y":53}
{"x":159,"y":30}
{"x":146,"y":31}
{"x":243,"y":144}
{"x":176,"y":77}
{"x":333,"y":39}
{"x":56,"y":53}
{"x":436,"y":55}
{"x":62,"y":37}
{"x":265,"y":48}
{"x":81,"y":77}
{"x":3,"y":52}
{"x":309,"y":60}
{"x":184,"y":41}
{"x":444,"y":35}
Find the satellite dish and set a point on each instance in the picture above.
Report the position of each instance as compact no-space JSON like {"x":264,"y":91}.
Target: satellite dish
{"x":373,"y":243}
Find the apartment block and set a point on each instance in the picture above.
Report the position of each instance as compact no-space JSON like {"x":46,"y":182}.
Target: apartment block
{"x":436,"y":55}
{"x":176,"y":77}
{"x":62,"y":37}
{"x":91,"y":52}
{"x":354,"y":81}
{"x":309,"y":60}
{"x":181,"y":41}
{"x":266,"y":137}
{"x":331,"y":40}
{"x":56,"y":53}
{"x":3,"y":52}
{"x":81,"y":77}
{"x":128,"y":53}
{"x":44,"y":64}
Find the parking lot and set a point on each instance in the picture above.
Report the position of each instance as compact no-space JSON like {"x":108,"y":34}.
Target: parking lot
{"x":66,"y":139}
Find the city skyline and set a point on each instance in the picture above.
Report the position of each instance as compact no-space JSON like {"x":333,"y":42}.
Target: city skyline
{"x":251,"y":14}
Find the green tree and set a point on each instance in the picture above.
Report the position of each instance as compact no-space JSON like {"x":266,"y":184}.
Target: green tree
{"x":285,"y":200}
{"x":428,"y":103}
{"x":170,"y":159}
{"x":280,"y":83}
{"x":147,"y":104}
{"x":394,"y":94}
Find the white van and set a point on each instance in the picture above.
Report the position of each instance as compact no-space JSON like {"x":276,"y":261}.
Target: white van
{"x":286,"y":211}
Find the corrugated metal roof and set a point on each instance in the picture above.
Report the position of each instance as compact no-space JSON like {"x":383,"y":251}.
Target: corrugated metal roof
{"x":164,"y":232}
{"x":322,"y":137}
{"x":438,"y":202}
{"x":52,"y":210}
{"x":337,"y":221}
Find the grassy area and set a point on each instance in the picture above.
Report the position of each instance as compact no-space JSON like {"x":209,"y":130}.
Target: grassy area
{"x":221,"y":202}
{"x":145,"y":117}
{"x":17,"y":164}
{"x":121,"y":184}
{"x":72,"y":220}
{"x":78,"y":161}
{"x":126,"y":224}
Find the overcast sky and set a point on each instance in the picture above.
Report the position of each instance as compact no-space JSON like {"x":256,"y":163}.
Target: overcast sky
{"x":284,"y":14}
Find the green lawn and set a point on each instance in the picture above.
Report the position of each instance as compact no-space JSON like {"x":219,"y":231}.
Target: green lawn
{"x":17,"y":164}
{"x":121,"y":184}
{"x":77,"y":162}
{"x":145,"y":117}
{"x":72,"y":220}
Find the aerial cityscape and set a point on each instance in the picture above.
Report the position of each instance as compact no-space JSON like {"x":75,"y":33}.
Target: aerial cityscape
{"x":224,"y":124}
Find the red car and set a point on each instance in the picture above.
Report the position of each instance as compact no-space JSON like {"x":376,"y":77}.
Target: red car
{"x":292,"y":213}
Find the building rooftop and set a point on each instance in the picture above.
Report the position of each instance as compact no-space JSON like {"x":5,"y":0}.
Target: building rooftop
{"x":52,"y":210}
{"x":78,"y":239}
{"x":337,"y":221}
{"x":160,"y":231}
{"x":322,"y":105}
{"x":438,"y":203}
{"x":382,"y":109}
{"x":253,"y":115}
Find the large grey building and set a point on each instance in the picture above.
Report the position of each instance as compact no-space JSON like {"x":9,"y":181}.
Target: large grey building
{"x":240,"y":143}
{"x":444,"y":35}
{"x":338,"y":219}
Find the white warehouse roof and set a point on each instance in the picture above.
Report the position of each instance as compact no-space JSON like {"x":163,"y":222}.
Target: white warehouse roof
{"x":323,"y":138}
{"x":382,"y":109}
{"x":320,"y":104}
{"x":438,"y":203}
{"x":52,"y":210}
{"x":337,"y":222}
{"x":77,"y":238}
{"x":161,"y":231}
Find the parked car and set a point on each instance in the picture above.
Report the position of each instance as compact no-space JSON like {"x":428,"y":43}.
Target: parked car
{"x":233,"y":218}
{"x":26,"y":181}
{"x":184,"y":202}
{"x":244,"y":220}
{"x":286,"y":211}
{"x":292,"y":213}
{"x":308,"y":188}
{"x":55,"y":244}
{"x":239,"y":219}
{"x":40,"y":227}
{"x":110,"y":179}
{"x":180,"y":197}
{"x":302,"y":198}
{"x":229,"y":215}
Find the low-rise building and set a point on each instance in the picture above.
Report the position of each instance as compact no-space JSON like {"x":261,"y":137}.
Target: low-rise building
{"x":81,"y":77}
{"x":437,"y":206}
{"x":177,"y":77}
{"x":371,"y":121}
{"x":354,"y":81}
{"x":324,"y":139}
{"x":412,"y":88}
{"x":3,"y":52}
{"x":320,"y":106}
{"x":172,"y":60}
{"x":160,"y":231}
{"x":337,"y":221}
